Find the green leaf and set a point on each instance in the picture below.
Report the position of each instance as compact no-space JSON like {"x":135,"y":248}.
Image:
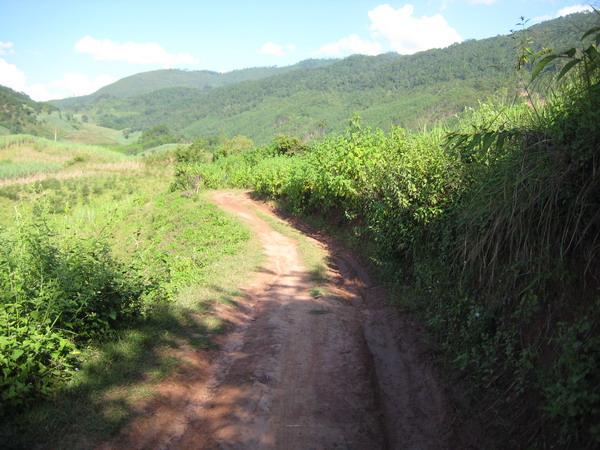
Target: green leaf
{"x":590,"y":31}
{"x":500,"y":142}
{"x":488,"y":140}
{"x":541,"y":65}
{"x":592,"y":53}
{"x":567,"y":68}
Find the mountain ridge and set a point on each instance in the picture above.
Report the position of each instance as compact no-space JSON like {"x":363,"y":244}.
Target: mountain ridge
{"x":146,"y":82}
{"x":310,"y":99}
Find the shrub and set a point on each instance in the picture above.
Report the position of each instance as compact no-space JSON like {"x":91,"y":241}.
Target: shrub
{"x":233,"y":146}
{"x":288,"y":145}
{"x":34,"y":356}
{"x":57,"y":293}
{"x":193,"y":153}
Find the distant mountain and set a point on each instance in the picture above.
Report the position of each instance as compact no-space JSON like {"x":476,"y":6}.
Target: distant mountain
{"x":19,"y":113}
{"x":146,"y":82}
{"x":314,"y":97}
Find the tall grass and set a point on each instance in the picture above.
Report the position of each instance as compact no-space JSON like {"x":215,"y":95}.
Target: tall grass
{"x":24,"y":156}
{"x":16,"y":139}
{"x":42,"y":144}
{"x":10,"y":169}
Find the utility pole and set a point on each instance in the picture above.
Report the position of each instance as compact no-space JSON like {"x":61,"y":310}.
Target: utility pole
{"x":54,"y":134}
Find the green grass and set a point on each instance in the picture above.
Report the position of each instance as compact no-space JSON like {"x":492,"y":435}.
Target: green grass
{"x":316,"y":292}
{"x":191,"y":238}
{"x":159,"y":149}
{"x":11,"y":140}
{"x":74,"y":129}
{"x":48,"y":146}
{"x":10,"y":169}
{"x":22,"y":156}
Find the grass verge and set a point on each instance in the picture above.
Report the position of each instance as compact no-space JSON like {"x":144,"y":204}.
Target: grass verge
{"x":191,"y":239}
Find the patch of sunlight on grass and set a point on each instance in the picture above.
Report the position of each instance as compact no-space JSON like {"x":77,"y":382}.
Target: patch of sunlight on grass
{"x":214,"y":324}
{"x":167,"y":365}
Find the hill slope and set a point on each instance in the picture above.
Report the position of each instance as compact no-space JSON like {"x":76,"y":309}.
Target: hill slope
{"x":146,"y":82}
{"x":311,"y":99}
{"x":19,"y":113}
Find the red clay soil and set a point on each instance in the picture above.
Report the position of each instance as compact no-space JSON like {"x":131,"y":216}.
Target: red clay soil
{"x":342,"y":371}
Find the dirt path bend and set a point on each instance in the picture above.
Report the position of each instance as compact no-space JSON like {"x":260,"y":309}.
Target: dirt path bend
{"x":342,"y":371}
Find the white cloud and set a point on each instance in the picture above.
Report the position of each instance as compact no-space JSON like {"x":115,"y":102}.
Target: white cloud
{"x":274,"y":49}
{"x":71,"y":84}
{"x":132,"y":52}
{"x":573,"y":9}
{"x":482,"y":2}
{"x":350,"y":45}
{"x":407,"y":34}
{"x":12,"y":77}
{"x":6,"y":48}
{"x":563,"y":12}
{"x":398,"y":30}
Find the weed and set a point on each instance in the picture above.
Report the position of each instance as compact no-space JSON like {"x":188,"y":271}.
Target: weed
{"x":316,"y":293}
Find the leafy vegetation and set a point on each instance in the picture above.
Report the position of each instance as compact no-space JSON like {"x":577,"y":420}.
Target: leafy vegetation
{"x":20,"y":114}
{"x":491,"y":227}
{"x":486,"y":223}
{"x":153,"y":137}
{"x":77,"y":128}
{"x":55,"y":294}
{"x":98,"y":273}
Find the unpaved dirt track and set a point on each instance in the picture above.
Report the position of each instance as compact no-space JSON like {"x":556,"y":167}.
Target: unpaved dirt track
{"x":343,"y":371}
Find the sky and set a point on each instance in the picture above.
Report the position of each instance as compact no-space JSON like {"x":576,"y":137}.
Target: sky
{"x":57,"y":49}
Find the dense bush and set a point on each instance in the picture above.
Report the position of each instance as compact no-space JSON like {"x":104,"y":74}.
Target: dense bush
{"x":288,"y":145}
{"x":56,"y":294}
{"x":196,"y":152}
{"x":155,"y":136}
{"x":33,"y":355}
{"x":233,"y":146}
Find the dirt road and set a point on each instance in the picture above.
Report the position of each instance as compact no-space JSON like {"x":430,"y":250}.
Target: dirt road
{"x":341,"y":371}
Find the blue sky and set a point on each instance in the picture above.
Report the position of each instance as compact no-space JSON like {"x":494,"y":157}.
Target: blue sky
{"x":53,"y":49}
